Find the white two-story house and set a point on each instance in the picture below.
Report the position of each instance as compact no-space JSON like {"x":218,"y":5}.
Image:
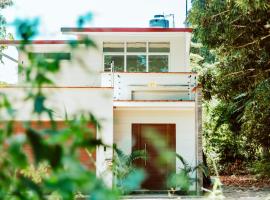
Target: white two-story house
{"x":135,"y":79}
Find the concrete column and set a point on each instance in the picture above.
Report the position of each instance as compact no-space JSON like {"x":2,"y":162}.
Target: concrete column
{"x":198,"y":129}
{"x":104,"y":156}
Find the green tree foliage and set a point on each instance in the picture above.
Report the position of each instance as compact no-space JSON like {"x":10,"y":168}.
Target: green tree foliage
{"x":3,"y":23}
{"x":238,"y":32}
{"x":3,"y":5}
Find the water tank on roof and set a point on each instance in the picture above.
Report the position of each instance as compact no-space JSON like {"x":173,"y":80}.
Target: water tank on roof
{"x":159,"y":21}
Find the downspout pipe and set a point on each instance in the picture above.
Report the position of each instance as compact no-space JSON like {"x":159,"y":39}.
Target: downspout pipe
{"x":8,"y":57}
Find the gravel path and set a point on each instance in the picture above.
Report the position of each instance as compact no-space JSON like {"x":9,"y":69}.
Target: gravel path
{"x":232,"y":192}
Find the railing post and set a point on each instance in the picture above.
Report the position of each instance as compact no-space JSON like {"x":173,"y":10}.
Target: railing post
{"x":189,"y":87}
{"x":198,"y":131}
{"x":112,"y":71}
{"x":112,"y":83}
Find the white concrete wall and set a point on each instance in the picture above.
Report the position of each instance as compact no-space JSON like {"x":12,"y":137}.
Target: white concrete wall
{"x":185,"y":128}
{"x":73,"y":101}
{"x":187,"y":42}
{"x":82,"y":70}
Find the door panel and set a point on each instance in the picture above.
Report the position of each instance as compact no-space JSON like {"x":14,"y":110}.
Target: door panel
{"x":156,"y":173}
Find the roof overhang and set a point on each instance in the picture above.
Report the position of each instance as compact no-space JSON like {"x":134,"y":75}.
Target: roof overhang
{"x":36,"y":42}
{"x":153,"y":105}
{"x":152,"y":32}
{"x":122,"y":30}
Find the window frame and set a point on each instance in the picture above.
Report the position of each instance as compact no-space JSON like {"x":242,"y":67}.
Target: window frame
{"x":147,"y":54}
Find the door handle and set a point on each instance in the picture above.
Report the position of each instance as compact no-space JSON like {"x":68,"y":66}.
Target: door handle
{"x":145,"y":154}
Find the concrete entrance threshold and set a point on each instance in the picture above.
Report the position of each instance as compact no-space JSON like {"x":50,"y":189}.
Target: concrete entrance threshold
{"x":158,"y":197}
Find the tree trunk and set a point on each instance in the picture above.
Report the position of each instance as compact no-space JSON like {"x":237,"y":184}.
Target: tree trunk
{"x":265,"y":153}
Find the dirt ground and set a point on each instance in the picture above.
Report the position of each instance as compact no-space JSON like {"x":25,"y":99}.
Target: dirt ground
{"x":246,"y":187}
{"x":234,"y":192}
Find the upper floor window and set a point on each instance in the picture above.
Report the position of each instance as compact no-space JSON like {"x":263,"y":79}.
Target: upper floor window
{"x":136,"y":56}
{"x":118,"y":63}
{"x":113,"y":46}
{"x":136,"y":63}
{"x":136,"y":47}
{"x":49,"y":58}
{"x":51,"y":55}
{"x":161,"y":47}
{"x":158,"y":63}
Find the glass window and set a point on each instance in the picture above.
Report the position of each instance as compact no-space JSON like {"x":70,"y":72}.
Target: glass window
{"x":118,"y":63}
{"x":50,"y":56}
{"x":113,"y":47}
{"x":161,"y":47}
{"x":136,"y":47}
{"x":158,"y":63}
{"x":136,"y":63}
{"x":135,"y":57}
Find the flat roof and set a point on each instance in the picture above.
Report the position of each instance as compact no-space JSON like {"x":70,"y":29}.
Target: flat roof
{"x":18,"y":42}
{"x":14,"y":86}
{"x":188,"y":73}
{"x":122,"y":29}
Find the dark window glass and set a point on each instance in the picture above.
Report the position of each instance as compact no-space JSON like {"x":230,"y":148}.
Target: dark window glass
{"x":136,"y":47}
{"x":118,"y":63}
{"x":136,"y":63}
{"x":162,"y":47}
{"x":50,"y":56}
{"x":113,"y":47}
{"x":158,"y":63}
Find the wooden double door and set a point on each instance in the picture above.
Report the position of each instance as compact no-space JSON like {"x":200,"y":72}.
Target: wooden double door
{"x":157,"y":172}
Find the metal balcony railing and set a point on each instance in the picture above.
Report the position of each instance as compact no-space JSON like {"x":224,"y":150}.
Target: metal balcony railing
{"x":150,"y":86}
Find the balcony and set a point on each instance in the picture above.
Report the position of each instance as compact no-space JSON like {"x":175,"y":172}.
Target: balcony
{"x":150,"y":86}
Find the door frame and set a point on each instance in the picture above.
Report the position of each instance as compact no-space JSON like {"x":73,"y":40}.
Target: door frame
{"x":171,"y":144}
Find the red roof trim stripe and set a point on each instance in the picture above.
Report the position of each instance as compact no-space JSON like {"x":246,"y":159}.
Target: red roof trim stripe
{"x":193,"y":73}
{"x":153,"y":100}
{"x":53,"y":87}
{"x":89,"y":30}
{"x":17,"y":42}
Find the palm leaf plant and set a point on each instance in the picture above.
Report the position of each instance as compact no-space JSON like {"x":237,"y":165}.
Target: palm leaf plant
{"x":182,"y":180}
{"x":126,"y":176}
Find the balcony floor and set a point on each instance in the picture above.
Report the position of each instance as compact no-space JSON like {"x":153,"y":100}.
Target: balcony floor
{"x":153,"y":104}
